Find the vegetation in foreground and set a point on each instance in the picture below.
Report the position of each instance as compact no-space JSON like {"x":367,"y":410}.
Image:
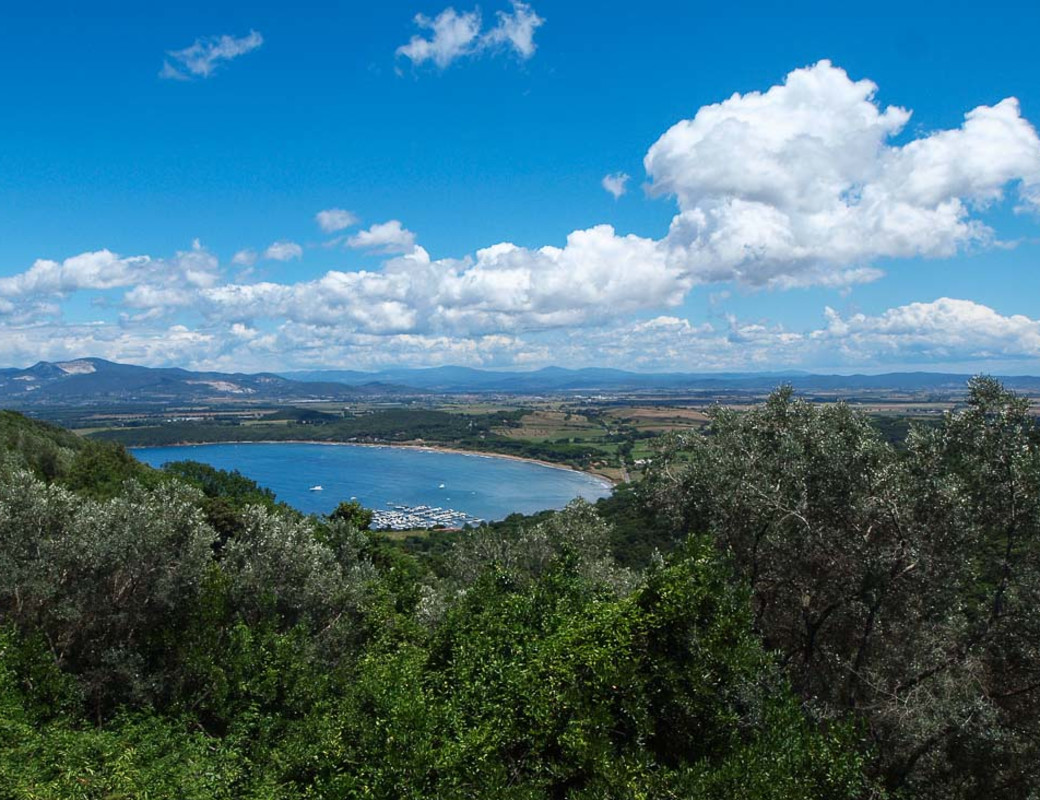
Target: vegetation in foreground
{"x":832,"y":617}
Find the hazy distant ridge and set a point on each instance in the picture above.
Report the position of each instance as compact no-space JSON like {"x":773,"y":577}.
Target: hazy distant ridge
{"x":94,"y":380}
{"x":556,"y":379}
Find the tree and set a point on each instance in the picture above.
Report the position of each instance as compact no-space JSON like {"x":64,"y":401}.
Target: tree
{"x":104,"y":583}
{"x":353,"y":513}
{"x":902,"y":587}
{"x":543,"y":680}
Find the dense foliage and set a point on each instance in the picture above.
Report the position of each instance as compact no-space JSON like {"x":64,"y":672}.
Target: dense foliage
{"x":144,"y":652}
{"x":900,"y":585}
{"x":834,"y":616}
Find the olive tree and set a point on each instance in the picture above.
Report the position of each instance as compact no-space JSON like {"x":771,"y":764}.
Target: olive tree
{"x":105,"y":583}
{"x":898,"y":586}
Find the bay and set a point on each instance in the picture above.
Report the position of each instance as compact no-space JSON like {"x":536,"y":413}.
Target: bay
{"x":482,"y":486}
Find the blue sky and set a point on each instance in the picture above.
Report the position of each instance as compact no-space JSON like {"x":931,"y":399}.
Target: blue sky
{"x":159,"y":185}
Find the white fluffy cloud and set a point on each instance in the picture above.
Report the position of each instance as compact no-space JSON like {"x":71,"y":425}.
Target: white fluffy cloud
{"x":283,"y":251}
{"x":384,"y":237}
{"x":943,"y":330}
{"x":332,"y":220}
{"x":515,"y":30}
{"x":596,"y":276}
{"x":453,"y":35}
{"x":615,"y":183}
{"x":176,"y":344}
{"x":188,"y":271}
{"x":800,"y":185}
{"x":171,"y":284}
{"x":203,"y":57}
{"x":368,"y":320}
{"x":102,"y":269}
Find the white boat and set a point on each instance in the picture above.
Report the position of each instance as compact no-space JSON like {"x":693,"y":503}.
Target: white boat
{"x":441,"y":486}
{"x":317,"y":488}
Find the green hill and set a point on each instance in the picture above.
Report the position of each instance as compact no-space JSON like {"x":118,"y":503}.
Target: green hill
{"x":94,"y":468}
{"x":839,"y":618}
{"x":45,"y":449}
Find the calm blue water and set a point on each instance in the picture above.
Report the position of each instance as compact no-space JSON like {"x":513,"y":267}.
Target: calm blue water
{"x":482,"y":486}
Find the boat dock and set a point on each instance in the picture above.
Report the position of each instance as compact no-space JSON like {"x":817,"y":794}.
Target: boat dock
{"x":401,"y":517}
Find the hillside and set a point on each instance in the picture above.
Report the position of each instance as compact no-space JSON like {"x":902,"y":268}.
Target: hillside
{"x":94,"y":380}
{"x":788,"y":607}
{"x":203,"y":642}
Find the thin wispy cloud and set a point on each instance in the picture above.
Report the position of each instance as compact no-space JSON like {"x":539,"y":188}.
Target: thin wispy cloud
{"x":244,"y":258}
{"x":283,"y":251}
{"x":202,"y":58}
{"x":332,"y":220}
{"x":514,"y":31}
{"x":453,"y":35}
{"x":615,"y":183}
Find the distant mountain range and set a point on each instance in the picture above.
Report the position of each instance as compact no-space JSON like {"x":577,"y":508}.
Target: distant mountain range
{"x":556,"y":379}
{"x":94,"y":380}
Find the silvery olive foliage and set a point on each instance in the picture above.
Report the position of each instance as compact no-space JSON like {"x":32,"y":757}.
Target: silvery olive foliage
{"x":577,"y":532}
{"x":901,"y":585}
{"x":99,"y":580}
{"x":107,"y":584}
{"x":277,"y":563}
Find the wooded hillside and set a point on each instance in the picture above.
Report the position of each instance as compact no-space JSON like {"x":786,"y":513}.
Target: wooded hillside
{"x":788,"y":607}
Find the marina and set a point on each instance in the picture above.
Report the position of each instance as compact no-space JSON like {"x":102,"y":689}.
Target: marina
{"x":401,"y":518}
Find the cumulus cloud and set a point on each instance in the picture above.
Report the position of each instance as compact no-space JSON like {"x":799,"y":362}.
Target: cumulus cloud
{"x":942,"y":330}
{"x":368,"y":320}
{"x":453,"y":35}
{"x":196,"y":267}
{"x":102,"y":269}
{"x":800,"y":184}
{"x":203,"y":57}
{"x":171,"y":284}
{"x":332,"y":220}
{"x":670,"y":343}
{"x":615,"y":183}
{"x":283,"y":251}
{"x":596,"y":276}
{"x":384,"y":237}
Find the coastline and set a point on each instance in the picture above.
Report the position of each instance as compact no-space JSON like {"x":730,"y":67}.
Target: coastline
{"x":606,"y":480}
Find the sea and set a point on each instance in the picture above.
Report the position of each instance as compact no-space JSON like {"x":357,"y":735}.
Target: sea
{"x":482,"y":486}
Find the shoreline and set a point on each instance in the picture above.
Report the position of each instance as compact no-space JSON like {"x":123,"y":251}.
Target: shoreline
{"x":606,"y":480}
